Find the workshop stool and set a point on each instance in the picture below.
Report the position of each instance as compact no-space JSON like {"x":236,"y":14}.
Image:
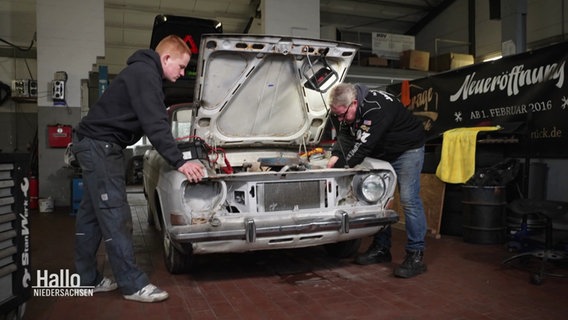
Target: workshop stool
{"x":550,"y":254}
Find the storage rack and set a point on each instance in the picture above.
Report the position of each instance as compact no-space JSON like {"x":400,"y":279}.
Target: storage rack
{"x":15,"y":263}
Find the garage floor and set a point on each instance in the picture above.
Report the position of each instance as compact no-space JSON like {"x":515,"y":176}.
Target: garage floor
{"x":464,"y":281}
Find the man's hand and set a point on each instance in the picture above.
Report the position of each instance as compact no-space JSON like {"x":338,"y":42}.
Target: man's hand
{"x":331,"y":162}
{"x":194,"y":171}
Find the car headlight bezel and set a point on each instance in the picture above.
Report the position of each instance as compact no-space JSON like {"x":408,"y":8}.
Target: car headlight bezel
{"x":204,"y":197}
{"x":371,"y":187}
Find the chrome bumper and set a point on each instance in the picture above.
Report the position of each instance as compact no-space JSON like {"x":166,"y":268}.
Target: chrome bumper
{"x":252,"y":228}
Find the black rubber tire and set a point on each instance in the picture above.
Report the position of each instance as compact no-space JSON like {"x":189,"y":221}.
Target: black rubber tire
{"x":176,"y":261}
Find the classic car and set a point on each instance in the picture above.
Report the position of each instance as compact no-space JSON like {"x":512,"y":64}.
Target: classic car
{"x":259,"y":114}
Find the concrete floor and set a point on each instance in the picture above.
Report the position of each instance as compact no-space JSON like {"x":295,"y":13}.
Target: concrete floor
{"x":464,"y":281}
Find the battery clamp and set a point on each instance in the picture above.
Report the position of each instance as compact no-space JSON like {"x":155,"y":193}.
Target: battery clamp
{"x":197,"y":148}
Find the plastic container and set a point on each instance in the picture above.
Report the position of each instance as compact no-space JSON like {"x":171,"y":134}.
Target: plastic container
{"x":46,"y":205}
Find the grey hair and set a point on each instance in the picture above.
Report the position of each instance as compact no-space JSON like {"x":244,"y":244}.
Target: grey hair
{"x":342,"y":94}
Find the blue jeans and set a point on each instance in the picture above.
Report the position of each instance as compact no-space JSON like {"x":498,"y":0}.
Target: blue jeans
{"x":104,"y":213}
{"x":408,"y":167}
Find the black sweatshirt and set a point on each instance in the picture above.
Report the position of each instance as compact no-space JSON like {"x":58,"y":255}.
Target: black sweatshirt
{"x":383,"y":129}
{"x":132,"y":106}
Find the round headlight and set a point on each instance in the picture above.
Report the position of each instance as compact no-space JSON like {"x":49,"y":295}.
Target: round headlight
{"x":372,"y":188}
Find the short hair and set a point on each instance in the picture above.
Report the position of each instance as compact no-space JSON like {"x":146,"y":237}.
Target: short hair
{"x":173,"y":45}
{"x":342,"y":94}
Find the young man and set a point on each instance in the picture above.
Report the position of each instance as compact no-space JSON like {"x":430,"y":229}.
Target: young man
{"x":133,"y":105}
{"x":375,"y":124}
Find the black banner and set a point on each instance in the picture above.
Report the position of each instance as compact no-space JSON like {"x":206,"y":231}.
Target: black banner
{"x":526,"y":93}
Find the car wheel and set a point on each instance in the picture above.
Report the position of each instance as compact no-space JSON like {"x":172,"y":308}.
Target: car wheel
{"x":344,"y":249}
{"x":176,"y":261}
{"x":149,"y":209}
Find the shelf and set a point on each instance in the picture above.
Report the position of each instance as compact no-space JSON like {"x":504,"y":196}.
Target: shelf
{"x":25,"y":99}
{"x":498,"y":140}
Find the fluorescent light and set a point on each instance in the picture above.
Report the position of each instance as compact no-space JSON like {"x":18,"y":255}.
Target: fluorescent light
{"x":497,"y":57}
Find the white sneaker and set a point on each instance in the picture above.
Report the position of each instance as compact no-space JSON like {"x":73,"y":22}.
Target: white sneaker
{"x":150,"y":293}
{"x":105,"y":285}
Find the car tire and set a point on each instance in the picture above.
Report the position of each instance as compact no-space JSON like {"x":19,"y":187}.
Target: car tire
{"x":176,"y":261}
{"x":344,"y":249}
{"x":149,"y":210}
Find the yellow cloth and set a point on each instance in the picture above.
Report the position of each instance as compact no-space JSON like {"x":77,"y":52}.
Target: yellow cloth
{"x":457,"y":162}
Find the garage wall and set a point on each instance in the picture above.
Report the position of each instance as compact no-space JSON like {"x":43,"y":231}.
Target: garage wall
{"x":556,"y":179}
{"x":17,"y":22}
{"x":17,"y":120}
{"x":19,"y":124}
{"x":73,"y":51}
{"x":450,"y":29}
{"x":546,"y":23}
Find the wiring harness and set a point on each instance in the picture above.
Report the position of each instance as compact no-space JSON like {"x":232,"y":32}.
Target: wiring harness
{"x":203,"y":150}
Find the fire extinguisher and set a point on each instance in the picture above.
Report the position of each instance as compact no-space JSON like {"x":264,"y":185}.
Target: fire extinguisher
{"x":34,"y":192}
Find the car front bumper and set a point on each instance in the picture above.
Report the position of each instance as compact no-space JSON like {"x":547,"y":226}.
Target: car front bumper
{"x":238,"y":234}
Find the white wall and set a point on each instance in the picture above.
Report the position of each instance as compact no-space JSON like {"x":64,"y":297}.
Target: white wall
{"x":70,"y":37}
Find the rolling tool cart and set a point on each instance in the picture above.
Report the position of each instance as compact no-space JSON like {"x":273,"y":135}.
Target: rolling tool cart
{"x":15,"y":267}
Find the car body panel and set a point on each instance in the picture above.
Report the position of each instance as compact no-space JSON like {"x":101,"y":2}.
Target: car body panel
{"x":262,"y":78}
{"x":258,"y":117}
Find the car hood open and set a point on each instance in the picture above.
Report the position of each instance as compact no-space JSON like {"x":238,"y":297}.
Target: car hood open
{"x":258,"y":90}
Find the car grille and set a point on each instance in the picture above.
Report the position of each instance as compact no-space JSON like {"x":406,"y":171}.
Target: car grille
{"x":295,"y":195}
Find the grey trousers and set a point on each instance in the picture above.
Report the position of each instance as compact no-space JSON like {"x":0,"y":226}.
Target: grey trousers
{"x":104,"y":213}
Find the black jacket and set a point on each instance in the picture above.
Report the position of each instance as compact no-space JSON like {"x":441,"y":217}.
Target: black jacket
{"x":383,"y":129}
{"x":132,"y":106}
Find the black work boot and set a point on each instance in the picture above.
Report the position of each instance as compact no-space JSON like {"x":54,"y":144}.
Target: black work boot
{"x":375,"y":254}
{"x":412,"y":265}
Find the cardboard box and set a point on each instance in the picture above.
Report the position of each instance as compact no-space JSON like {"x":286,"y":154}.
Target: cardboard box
{"x":450,"y":61}
{"x":375,"y":61}
{"x":415,"y":59}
